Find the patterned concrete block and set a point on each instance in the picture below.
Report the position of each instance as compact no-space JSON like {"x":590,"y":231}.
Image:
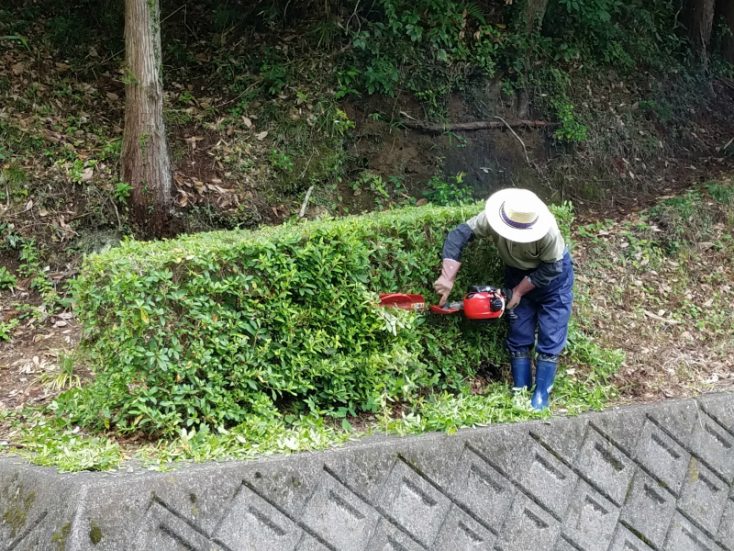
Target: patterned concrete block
{"x":662,"y":456}
{"x":714,"y":444}
{"x":482,"y":489}
{"x":548,"y":479}
{"x":647,"y":478}
{"x":529,"y":526}
{"x":684,"y":536}
{"x":253,"y":523}
{"x":725,"y":535}
{"x":704,"y":495}
{"x":565,"y":545}
{"x":340,"y":516}
{"x":388,"y":537}
{"x":463,"y":533}
{"x":626,"y":540}
{"x":417,"y":506}
{"x":721,"y":407}
{"x":609,"y":468}
{"x":164,"y":526}
{"x":591,"y":519}
{"x":649,"y":508}
{"x":309,"y":543}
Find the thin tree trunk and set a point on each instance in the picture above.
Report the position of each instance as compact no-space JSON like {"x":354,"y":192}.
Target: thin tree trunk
{"x":725,"y":13}
{"x":529,"y":22}
{"x":699,"y":19}
{"x":145,"y":163}
{"x":532,"y":15}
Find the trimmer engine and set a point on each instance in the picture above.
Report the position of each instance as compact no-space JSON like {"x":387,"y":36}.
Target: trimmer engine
{"x":484,"y":302}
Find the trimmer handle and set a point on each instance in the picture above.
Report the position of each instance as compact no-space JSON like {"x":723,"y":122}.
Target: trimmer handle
{"x":509,"y":312}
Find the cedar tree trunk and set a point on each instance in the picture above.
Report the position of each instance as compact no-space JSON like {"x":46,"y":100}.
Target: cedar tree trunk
{"x":725,"y":13}
{"x":145,"y":163}
{"x":699,"y":19}
{"x":532,"y":15}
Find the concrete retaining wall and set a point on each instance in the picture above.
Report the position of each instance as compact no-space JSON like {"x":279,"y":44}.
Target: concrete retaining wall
{"x":635,"y":479}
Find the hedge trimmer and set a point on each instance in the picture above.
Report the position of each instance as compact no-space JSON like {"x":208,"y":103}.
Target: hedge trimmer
{"x":482,"y":302}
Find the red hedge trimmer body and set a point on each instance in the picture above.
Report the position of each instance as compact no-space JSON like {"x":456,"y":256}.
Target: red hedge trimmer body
{"x":482,"y":302}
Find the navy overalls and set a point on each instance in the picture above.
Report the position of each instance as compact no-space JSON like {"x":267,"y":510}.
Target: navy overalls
{"x":545,"y":309}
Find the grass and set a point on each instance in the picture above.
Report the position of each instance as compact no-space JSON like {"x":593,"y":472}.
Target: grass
{"x":658,"y":285}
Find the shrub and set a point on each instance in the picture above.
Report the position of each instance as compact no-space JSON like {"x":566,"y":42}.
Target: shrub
{"x":205,"y":329}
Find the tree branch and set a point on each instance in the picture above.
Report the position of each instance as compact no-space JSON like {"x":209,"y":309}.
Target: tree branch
{"x":476,"y":125}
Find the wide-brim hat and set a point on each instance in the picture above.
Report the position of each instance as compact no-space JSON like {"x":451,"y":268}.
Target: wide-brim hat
{"x":518,"y":215}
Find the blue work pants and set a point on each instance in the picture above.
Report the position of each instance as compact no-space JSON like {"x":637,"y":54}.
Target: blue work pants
{"x":545,"y":310}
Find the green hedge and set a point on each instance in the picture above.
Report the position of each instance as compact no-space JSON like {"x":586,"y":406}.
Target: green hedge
{"x":207,"y":328}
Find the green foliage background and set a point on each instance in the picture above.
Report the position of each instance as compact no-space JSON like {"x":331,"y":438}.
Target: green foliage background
{"x":209,"y":328}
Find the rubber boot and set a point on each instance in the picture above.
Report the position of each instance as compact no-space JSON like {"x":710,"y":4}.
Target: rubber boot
{"x":521,"y":368}
{"x":545,"y":373}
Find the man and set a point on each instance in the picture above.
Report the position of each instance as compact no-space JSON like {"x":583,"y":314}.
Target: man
{"x":539,"y":271}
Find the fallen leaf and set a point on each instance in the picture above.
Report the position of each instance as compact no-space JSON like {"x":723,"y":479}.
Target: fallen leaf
{"x":192,"y":141}
{"x":261,"y":135}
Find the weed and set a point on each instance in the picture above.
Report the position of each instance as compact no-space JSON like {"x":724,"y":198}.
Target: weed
{"x":111,"y":150}
{"x":721,"y":193}
{"x":7,"y":328}
{"x":16,"y":38}
{"x":122,"y":192}
{"x":7,"y":279}
{"x":64,"y":378}
{"x":442,"y":192}
{"x":31,"y":267}
{"x":280,"y":160}
{"x":593,"y":229}
{"x":682,"y":220}
{"x":275,"y":77}
{"x":571,"y":130}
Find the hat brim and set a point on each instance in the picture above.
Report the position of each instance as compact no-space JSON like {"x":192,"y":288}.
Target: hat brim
{"x":537,"y":231}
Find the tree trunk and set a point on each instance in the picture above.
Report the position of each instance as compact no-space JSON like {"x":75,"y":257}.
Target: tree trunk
{"x":699,"y":19}
{"x":532,"y":16}
{"x":529,"y":22}
{"x":145,"y":163}
{"x":725,"y":13}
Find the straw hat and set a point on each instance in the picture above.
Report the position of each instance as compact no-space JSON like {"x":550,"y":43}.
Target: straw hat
{"x":518,"y":215}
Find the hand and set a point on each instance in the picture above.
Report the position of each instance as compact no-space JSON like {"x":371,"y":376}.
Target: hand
{"x":514,"y":300}
{"x":445,"y":282}
{"x":525,"y":286}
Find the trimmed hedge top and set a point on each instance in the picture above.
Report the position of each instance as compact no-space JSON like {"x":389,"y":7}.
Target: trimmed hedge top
{"x":208,"y":328}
